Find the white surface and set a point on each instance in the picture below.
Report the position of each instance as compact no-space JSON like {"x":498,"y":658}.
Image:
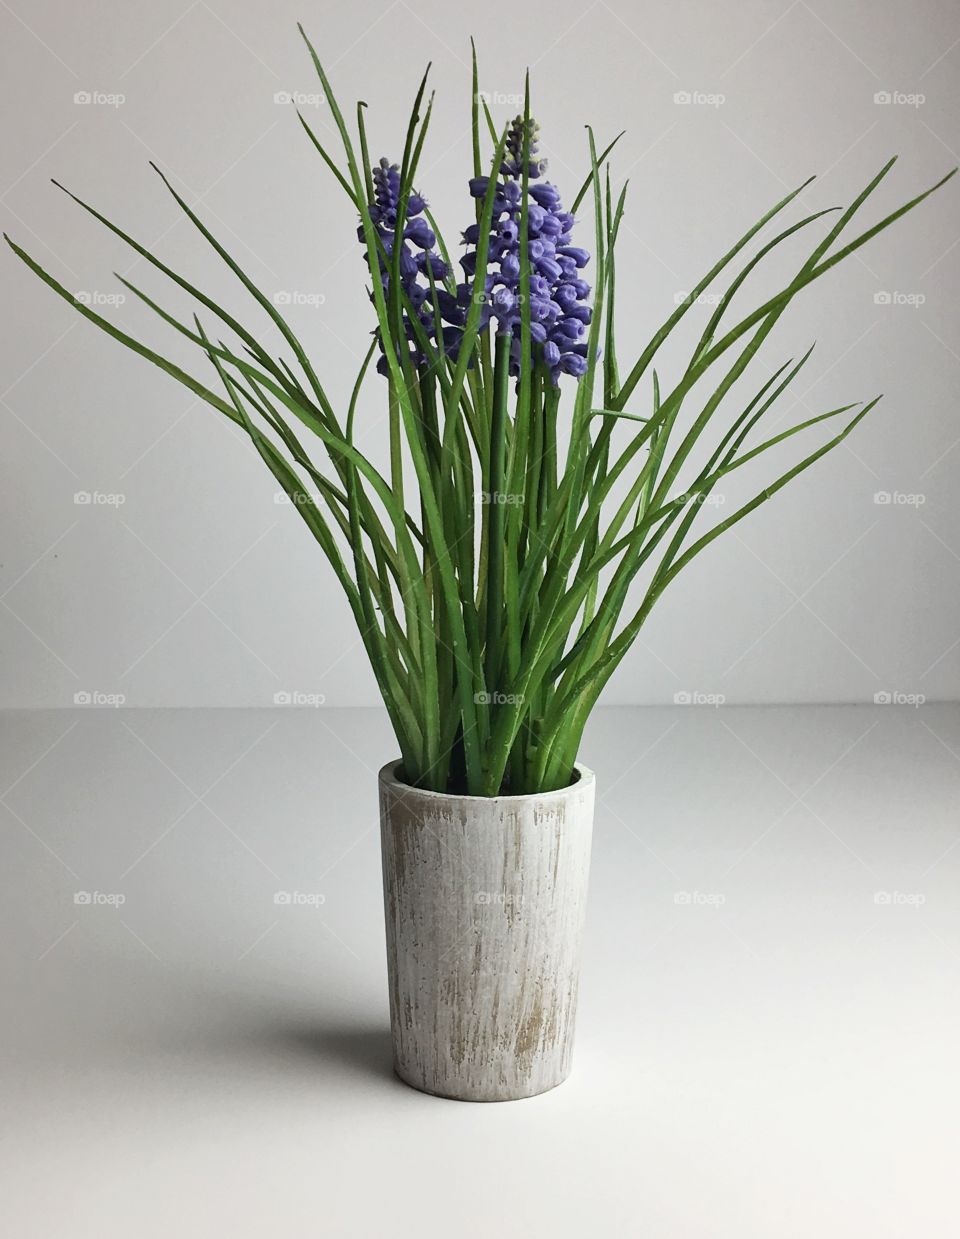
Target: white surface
{"x":199,"y":590}
{"x":202,"y":1061}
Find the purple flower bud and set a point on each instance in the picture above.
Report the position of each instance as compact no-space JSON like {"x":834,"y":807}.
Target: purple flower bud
{"x":478,"y":186}
{"x":503,"y":302}
{"x":551,"y":354}
{"x":420,"y":233}
{"x":579,"y":256}
{"x":450,"y":311}
{"x":549,"y":268}
{"x":546,"y":195}
{"x":573,"y":363}
{"x":508,"y":231}
{"x":510,"y":267}
{"x":571,"y":328}
{"x":415,"y":204}
{"x":427,"y":260}
{"x":535,"y":217}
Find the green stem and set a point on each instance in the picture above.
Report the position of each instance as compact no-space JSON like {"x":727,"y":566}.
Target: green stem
{"x":495,"y":522}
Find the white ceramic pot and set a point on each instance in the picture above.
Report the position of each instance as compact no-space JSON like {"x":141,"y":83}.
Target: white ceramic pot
{"x":484,"y":900}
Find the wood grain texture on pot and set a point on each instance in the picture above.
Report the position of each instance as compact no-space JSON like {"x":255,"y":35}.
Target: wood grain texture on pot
{"x":484,"y":902}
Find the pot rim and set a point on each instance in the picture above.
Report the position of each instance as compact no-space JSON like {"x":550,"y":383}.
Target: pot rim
{"x":388,"y":778}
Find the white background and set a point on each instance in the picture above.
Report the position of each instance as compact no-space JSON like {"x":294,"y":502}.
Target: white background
{"x":200,"y":590}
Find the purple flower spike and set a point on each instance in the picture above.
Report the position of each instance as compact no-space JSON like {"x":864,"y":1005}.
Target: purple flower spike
{"x":416,"y":264}
{"x":556,"y":293}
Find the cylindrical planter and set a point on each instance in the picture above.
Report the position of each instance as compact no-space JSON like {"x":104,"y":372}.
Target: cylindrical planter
{"x":484,"y":900}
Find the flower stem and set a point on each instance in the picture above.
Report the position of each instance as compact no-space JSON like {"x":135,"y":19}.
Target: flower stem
{"x":495,"y":548}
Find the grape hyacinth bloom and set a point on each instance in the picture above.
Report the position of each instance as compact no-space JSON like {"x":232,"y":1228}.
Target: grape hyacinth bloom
{"x":418,"y":259}
{"x":559,"y":314}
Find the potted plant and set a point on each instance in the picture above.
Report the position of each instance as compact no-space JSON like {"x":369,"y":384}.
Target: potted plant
{"x":554,"y":502}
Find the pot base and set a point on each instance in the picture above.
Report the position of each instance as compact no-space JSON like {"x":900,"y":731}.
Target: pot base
{"x":470,"y":1097}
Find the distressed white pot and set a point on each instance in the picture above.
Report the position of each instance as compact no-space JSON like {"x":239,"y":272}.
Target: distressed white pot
{"x":484,"y":900}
